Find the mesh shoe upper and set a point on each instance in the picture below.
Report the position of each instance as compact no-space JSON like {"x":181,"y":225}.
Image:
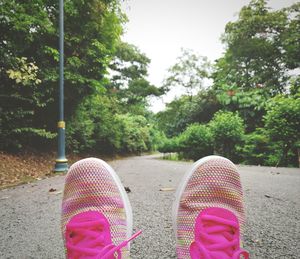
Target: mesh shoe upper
{"x":213,"y":182}
{"x":92,"y":185}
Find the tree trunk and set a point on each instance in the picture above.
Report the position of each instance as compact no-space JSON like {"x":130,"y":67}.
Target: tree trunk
{"x":298,"y":151}
{"x":285,"y":154}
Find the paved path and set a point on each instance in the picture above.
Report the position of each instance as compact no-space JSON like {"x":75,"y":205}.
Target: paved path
{"x":30,"y":214}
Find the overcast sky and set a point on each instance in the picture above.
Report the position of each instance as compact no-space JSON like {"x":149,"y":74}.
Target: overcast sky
{"x":160,"y":28}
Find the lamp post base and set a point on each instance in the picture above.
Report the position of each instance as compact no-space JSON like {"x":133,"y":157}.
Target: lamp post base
{"x":61,"y":165}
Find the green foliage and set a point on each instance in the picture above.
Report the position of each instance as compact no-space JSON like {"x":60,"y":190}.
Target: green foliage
{"x":135,"y":133}
{"x":289,"y":38}
{"x":172,"y":157}
{"x":29,"y":60}
{"x":282,"y":124}
{"x":295,"y":87}
{"x":156,"y":138}
{"x":228,"y":131}
{"x":97,"y":128}
{"x":255,"y":148}
{"x":257,"y":47}
{"x":169,"y":145}
{"x":106,"y":85}
{"x":93,"y":128}
{"x":129,"y":64}
{"x":189,"y":72}
{"x":184,"y":111}
{"x":282,"y":119}
{"x":258,"y":149}
{"x":250,"y":104}
{"x":196,"y":142}
{"x":18,"y":109}
{"x":239,"y":99}
{"x":128,"y":81}
{"x":25,"y":74}
{"x":176,"y":117}
{"x":262,"y":47}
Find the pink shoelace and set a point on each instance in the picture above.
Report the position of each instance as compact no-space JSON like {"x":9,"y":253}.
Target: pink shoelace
{"x":95,"y":237}
{"x":218,"y":239}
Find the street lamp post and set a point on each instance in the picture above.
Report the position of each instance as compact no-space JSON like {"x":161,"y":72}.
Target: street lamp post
{"x":61,"y":163}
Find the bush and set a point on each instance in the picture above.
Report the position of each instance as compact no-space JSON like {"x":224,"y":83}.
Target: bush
{"x":228,"y":131}
{"x":195,"y":142}
{"x":94,"y":127}
{"x":135,"y":135}
{"x":255,"y":149}
{"x":282,"y":124}
{"x":157,"y":138}
{"x":168,"y":145}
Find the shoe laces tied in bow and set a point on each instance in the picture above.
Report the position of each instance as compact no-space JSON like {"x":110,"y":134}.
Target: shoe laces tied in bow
{"x":217,"y":236}
{"x":91,"y":238}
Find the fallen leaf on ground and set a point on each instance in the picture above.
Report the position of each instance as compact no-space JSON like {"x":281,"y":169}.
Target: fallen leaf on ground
{"x":166,"y":189}
{"x":52,"y":190}
{"x":268,"y":196}
{"x":127,"y":189}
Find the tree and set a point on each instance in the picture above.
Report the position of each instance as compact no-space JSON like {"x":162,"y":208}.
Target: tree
{"x":175,"y":118}
{"x":289,"y":38}
{"x":196,"y":142}
{"x":260,"y":48}
{"x":128,"y":82}
{"x":228,"y":131}
{"x":283,"y":124}
{"x":250,"y":104}
{"x":18,"y":108}
{"x":29,"y":31}
{"x":182,"y":111}
{"x":189,"y":72}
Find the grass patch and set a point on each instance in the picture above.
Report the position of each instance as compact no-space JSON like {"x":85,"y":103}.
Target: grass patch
{"x":174,"y":157}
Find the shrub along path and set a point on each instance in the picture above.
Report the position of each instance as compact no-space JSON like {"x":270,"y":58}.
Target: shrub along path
{"x":30,"y":214}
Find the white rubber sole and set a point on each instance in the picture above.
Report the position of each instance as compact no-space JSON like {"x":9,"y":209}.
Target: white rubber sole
{"x":183,"y":184}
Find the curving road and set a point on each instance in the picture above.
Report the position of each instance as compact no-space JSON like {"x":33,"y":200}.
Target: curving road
{"x":30,"y":214}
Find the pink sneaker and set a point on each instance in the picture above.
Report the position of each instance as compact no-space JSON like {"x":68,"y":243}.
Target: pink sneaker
{"x":208,"y":213}
{"x":96,"y":213}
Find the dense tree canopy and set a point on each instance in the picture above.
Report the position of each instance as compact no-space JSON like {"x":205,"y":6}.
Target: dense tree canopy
{"x":184,"y":111}
{"x":259,"y":48}
{"x":261,"y":60}
{"x":29,"y":37}
{"x":244,"y":106}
